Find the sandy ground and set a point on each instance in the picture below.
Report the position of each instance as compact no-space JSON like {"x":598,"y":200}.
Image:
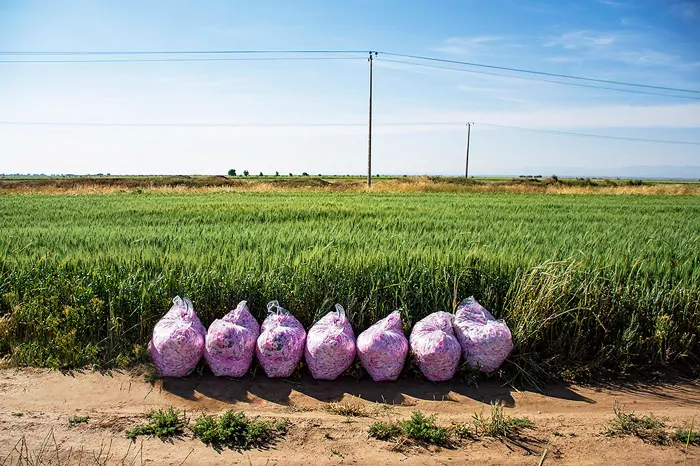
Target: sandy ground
{"x":35,"y":406}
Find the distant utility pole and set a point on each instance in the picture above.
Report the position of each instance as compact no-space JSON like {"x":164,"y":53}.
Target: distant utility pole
{"x":372,"y":55}
{"x":469,"y":134}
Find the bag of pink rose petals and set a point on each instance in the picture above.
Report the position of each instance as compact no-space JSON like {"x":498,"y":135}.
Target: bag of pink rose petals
{"x":486,"y":342}
{"x":230,"y":342}
{"x":280,"y":345}
{"x":330,"y":345}
{"x":435,"y":347}
{"x":178,"y":340}
{"x":383,"y":347}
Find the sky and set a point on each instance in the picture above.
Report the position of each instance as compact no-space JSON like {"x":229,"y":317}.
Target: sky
{"x":655,"y":42}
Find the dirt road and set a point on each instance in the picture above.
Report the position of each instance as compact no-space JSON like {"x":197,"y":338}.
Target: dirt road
{"x":35,"y":406}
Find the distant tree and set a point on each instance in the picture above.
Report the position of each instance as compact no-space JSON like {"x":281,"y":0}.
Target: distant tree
{"x":304,"y":174}
{"x":246,"y":172}
{"x":291,"y":174}
{"x":277,"y":173}
{"x":320,"y":174}
{"x":261,"y":174}
{"x":232,"y":172}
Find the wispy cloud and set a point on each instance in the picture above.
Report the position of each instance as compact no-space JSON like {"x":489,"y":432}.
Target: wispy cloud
{"x":467,"y":45}
{"x":617,"y":3}
{"x":583,"y":39}
{"x":687,"y":10}
{"x":621,"y":46}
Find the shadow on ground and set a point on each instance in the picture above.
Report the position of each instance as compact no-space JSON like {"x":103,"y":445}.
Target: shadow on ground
{"x":403,"y":391}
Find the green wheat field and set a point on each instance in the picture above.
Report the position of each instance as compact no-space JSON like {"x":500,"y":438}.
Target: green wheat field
{"x":589,"y":284}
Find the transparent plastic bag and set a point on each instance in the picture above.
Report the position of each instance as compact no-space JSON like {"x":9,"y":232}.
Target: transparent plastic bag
{"x":330,"y":345}
{"x":280,"y":346}
{"x":383,"y":347}
{"x":435,"y":346}
{"x":230,"y":342}
{"x":486,"y":342}
{"x":178,"y":338}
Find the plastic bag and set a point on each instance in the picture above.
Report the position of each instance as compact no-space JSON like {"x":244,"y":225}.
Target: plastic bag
{"x":330,"y":345}
{"x":178,"y":340}
{"x":383,"y":347}
{"x":486,"y":342}
{"x":435,"y":347}
{"x":230,"y":342}
{"x":280,"y":345}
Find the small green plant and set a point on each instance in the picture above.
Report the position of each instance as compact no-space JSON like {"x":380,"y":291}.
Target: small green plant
{"x":497,"y":425}
{"x":18,"y":414}
{"x":648,"y":428}
{"x":234,"y":430}
{"x":347,"y":408}
{"x":687,"y":435}
{"x":422,"y":428}
{"x":162,"y":423}
{"x":384,"y":430}
{"x":75,"y":420}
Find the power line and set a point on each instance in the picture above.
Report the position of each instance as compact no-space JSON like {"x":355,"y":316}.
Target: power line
{"x":321,"y":125}
{"x":542,"y":73}
{"x":590,"y":86}
{"x":138,"y":60}
{"x":590,"y":135}
{"x":285,"y":52}
{"x":181,"y":52}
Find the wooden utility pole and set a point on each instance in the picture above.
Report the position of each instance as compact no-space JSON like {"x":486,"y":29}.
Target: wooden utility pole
{"x":372,"y":55}
{"x":469,"y":134}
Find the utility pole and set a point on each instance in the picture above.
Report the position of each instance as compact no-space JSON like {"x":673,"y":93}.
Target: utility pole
{"x":469,"y":134}
{"x":372,"y":55}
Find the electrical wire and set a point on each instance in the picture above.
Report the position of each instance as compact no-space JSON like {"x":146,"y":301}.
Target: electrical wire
{"x":140,"y":60}
{"x":542,"y":73}
{"x":589,"y":86}
{"x":182,"y":52}
{"x":321,"y":125}
{"x":286,"y":52}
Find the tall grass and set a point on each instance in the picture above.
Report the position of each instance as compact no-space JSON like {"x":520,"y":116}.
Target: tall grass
{"x":587,"y":283}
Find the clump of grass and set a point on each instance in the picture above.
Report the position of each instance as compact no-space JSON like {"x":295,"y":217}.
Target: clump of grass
{"x":235,"y":430}
{"x":497,"y":425}
{"x":422,"y":428}
{"x":75,"y":420}
{"x":648,"y":428}
{"x":687,"y":435}
{"x":347,"y":408}
{"x":162,"y":423}
{"x":419,"y":428}
{"x":384,"y":430}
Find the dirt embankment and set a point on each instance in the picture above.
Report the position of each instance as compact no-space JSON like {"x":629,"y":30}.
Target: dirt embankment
{"x":36,"y":405}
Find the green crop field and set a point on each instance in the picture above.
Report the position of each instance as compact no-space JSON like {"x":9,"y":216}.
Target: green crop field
{"x":589,"y":284}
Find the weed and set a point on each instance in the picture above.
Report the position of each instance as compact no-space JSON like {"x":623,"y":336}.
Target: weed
{"x":648,"y":428}
{"x":235,"y":430}
{"x":422,"y":428}
{"x":384,"y":430}
{"x":18,"y":414}
{"x":162,"y":423}
{"x":75,"y":420}
{"x":347,"y":408}
{"x":497,"y":425}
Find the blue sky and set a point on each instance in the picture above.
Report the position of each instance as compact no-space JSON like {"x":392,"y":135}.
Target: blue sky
{"x":651,"y":42}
